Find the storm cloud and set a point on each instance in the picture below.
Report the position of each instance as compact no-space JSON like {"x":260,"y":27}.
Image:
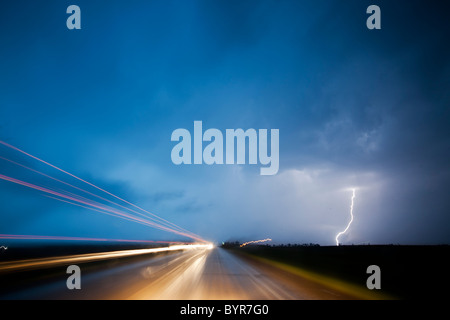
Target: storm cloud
{"x":355,"y":108}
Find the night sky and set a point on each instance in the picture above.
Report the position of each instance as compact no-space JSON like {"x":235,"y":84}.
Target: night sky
{"x":355,"y":108}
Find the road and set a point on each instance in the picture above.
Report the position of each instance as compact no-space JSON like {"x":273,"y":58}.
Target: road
{"x":198,"y":274}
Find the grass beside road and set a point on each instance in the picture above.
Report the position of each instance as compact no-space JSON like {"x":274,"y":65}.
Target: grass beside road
{"x":357,"y":291}
{"x":407,"y":272}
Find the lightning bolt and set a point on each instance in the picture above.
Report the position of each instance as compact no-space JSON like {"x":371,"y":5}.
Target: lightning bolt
{"x":351,"y":219}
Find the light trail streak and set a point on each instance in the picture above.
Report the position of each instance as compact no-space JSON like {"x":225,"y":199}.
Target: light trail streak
{"x":87,"y":192}
{"x":148,"y":218}
{"x":89,"y":208}
{"x":61,"y":238}
{"x":255,"y":241}
{"x":89,"y":257}
{"x":97,"y":206}
{"x":94,"y":186}
{"x":351,"y":219}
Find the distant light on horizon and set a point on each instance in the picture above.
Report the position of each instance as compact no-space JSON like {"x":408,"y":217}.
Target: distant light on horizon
{"x":255,"y":241}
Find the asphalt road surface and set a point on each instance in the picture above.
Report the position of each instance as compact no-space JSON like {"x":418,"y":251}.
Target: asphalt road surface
{"x":199,"y":274}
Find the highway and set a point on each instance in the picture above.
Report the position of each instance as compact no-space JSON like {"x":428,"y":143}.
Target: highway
{"x":197,"y":274}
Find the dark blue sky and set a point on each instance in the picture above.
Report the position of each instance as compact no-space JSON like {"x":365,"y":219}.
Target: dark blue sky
{"x":355,"y":108}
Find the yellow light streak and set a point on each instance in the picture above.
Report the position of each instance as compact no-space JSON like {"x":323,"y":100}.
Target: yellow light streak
{"x":89,"y":257}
